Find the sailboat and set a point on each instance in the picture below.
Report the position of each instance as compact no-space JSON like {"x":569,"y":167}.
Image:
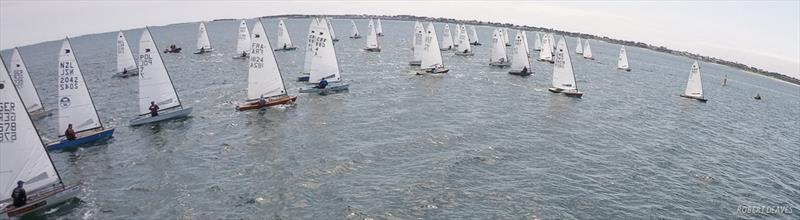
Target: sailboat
{"x":622,"y":63}
{"x":519,"y":63}
{"x":457,"y":32}
{"x":463,"y":48}
{"x":379,"y":28}
{"x":418,"y":44}
{"x":447,"y":38}
{"x":203,"y":45}
{"x":330,"y":29}
{"x":578,"y":46}
{"x":546,"y":52}
{"x":284,"y":41}
{"x":694,"y":87}
{"x":498,"y":57}
{"x":587,"y":51}
{"x":372,"y":38}
{"x":355,"y":34}
{"x":537,"y":45}
{"x":323,"y":61}
{"x":75,"y":104}
{"x":431,"y":54}
{"x":265,"y":86}
{"x":474,"y":38}
{"x":243,"y":42}
{"x":24,"y":158}
{"x":525,"y":43}
{"x":563,"y":73}
{"x":725,"y":80}
{"x":310,"y":50}
{"x":126,"y":66}
{"x":22,"y":79}
{"x":155,"y":86}
{"x":505,"y":37}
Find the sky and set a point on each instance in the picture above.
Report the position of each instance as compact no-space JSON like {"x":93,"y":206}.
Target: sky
{"x":764,"y":34}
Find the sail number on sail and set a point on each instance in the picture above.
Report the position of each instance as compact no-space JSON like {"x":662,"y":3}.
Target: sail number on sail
{"x":144,"y":60}
{"x":8,"y":121}
{"x":257,"y":62}
{"x":67,"y":80}
{"x":17,"y":77}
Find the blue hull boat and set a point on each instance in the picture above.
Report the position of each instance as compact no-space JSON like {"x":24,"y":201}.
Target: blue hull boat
{"x":145,"y":119}
{"x":86,"y":137}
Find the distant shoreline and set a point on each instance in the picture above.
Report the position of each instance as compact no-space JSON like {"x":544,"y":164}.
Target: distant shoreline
{"x":560,"y":32}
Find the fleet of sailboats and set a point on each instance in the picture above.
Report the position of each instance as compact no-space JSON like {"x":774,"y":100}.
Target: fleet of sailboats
{"x":265,"y":85}
{"x":243,"y":41}
{"x":563,"y":73}
{"x":284,"y":40}
{"x":498,"y":58}
{"x":126,"y":66}
{"x":27,"y":90}
{"x":324,"y":65}
{"x":622,"y":63}
{"x":155,"y":86}
{"x":694,"y":86}
{"x":203,"y":44}
{"x":372,"y":38}
{"x":24,"y":158}
{"x":431,"y":54}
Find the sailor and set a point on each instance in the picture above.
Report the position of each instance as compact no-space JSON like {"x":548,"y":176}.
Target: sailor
{"x":284,"y":46}
{"x":202,"y":50}
{"x":466,"y":51}
{"x":69,"y":133}
{"x":18,"y":195}
{"x":262,"y":101}
{"x":244,"y":53}
{"x":124,"y":71}
{"x":153,"y":109}
{"x":322,"y":84}
{"x":524,"y":69}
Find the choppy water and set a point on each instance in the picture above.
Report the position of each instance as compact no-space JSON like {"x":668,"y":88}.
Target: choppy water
{"x":476,"y":143}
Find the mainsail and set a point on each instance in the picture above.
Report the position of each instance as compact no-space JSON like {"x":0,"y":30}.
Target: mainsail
{"x":694,"y":87}
{"x":622,"y":63}
{"x":447,"y":38}
{"x":563,"y":73}
{"x":323,"y":60}
{"x":202,"y":38}
{"x":22,"y":79}
{"x":432,"y":56}
{"x":520,"y":54}
{"x":75,"y":105}
{"x":243,"y":43}
{"x":263,"y":77}
{"x":498,"y":47}
{"x":284,"y":41}
{"x":125,"y":60}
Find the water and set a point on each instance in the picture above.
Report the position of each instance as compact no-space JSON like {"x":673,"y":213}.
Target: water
{"x":476,"y":143}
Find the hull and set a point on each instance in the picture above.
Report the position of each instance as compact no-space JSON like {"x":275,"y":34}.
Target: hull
{"x":273,"y":102}
{"x":520,"y":73}
{"x":569,"y":93}
{"x":464,"y":54}
{"x":372,"y":49}
{"x":127,"y":74}
{"x":162,"y":116}
{"x":698,"y":98}
{"x":433,"y":71}
{"x":176,"y":50}
{"x":84,"y":138}
{"x":303,"y":78}
{"x":205,"y":51}
{"x":42,"y":200}
{"x":330,"y":88}
{"x":40,"y":114}
{"x":355,"y":37}
{"x":589,"y":58}
{"x":475,"y":44}
{"x":286,"y":49}
{"x":500,"y":64}
{"x":241,"y":57}
{"x":626,"y":69}
{"x":415,"y":63}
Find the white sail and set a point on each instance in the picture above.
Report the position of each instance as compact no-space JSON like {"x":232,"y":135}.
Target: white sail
{"x":22,"y":79}
{"x":124,"y":55}
{"x":563,"y":73}
{"x":447,"y":38}
{"x":552,"y":42}
{"x":310,"y":46}
{"x":498,"y":47}
{"x":202,"y":38}
{"x":463,"y":40}
{"x":379,"y":27}
{"x":457,"y":37}
{"x":75,"y":105}
{"x":432,"y":56}
{"x":622,"y":63}
{"x":284,"y":41}
{"x":537,"y":45}
{"x":694,"y":87}
{"x":505,"y":36}
{"x":587,"y":51}
{"x":323,"y":61}
{"x":263,"y":77}
{"x":154,"y":82}
{"x":372,"y":37}
{"x":355,"y":29}
{"x":243,"y":42}
{"x":519,"y":53}
{"x":419,"y":41}
{"x":546,"y":53}
{"x":474,"y":37}
{"x":330,"y":28}
{"x":525,"y":41}
{"x":579,"y":46}
{"x":22,"y":155}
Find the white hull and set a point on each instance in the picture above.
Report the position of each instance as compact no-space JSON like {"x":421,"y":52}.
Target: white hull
{"x":162,"y":116}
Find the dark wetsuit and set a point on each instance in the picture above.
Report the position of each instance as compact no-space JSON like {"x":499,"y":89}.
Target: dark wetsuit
{"x":70,"y":134}
{"x":153,"y":110}
{"x":322,"y":84}
{"x":19,"y":196}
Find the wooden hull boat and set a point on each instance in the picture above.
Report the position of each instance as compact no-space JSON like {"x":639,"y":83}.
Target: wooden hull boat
{"x":271,"y":102}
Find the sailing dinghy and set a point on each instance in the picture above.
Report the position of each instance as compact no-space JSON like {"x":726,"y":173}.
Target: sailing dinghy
{"x":126,"y":66}
{"x":587,"y":51}
{"x":447,"y":38}
{"x":431,"y":54}
{"x":379,"y":28}
{"x":310,"y":51}
{"x":622,"y":63}
{"x":498,"y":57}
{"x":323,"y":62}
{"x":155,"y":86}
{"x":464,"y":48}
{"x":27,"y":90}
{"x":75,"y":105}
{"x":519,"y":64}
{"x":417,"y":44}
{"x":457,"y":37}
{"x":546,"y":52}
{"x":694,"y":87}
{"x":579,"y":46}
{"x":203,"y":45}
{"x":265,"y":85}
{"x":354,"y":33}
{"x":284,"y":41}
{"x":537,"y":45}
{"x":474,"y":38}
{"x":330,"y":29}
{"x":505,"y":37}
{"x":372,"y":38}
{"x":24,"y":158}
{"x":563,"y":73}
{"x":243,"y":42}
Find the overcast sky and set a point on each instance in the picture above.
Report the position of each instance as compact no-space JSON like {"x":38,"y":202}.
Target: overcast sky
{"x":758,"y":33}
